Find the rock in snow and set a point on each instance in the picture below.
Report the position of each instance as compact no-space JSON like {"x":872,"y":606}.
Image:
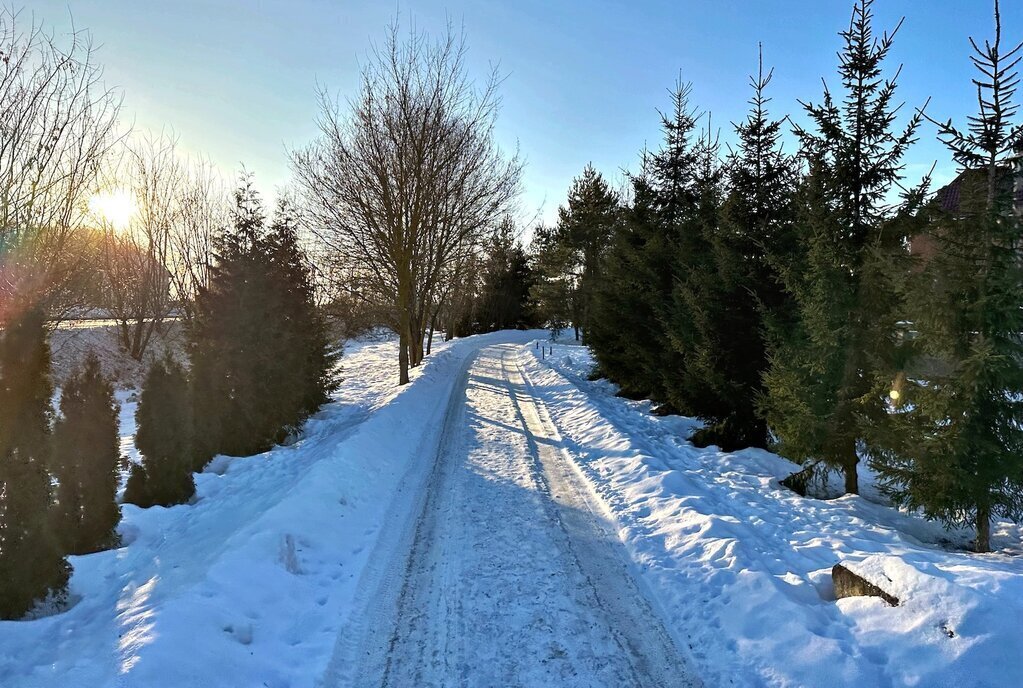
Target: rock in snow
{"x":848,"y":583}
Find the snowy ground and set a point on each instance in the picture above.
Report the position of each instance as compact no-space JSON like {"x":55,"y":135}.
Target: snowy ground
{"x":250,"y":585}
{"x":741,"y":566}
{"x":547,"y":533}
{"x":73,"y":340}
{"x":513,"y":579}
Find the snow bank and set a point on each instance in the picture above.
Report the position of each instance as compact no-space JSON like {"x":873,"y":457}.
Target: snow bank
{"x":251,"y":584}
{"x":70,"y":344}
{"x":740,"y":567}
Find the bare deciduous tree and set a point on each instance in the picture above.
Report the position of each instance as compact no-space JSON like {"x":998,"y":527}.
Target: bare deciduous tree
{"x":160,"y":259}
{"x":408,"y":176}
{"x":204,"y":203}
{"x":57,"y":124}
{"x":137,"y":255}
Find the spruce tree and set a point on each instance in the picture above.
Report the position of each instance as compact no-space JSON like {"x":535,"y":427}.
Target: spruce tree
{"x":165,"y":437}
{"x":554,"y":292}
{"x":822,"y":386}
{"x":625,"y":332}
{"x":507,"y":279}
{"x":955,"y":449}
{"x":259,"y":349}
{"x":32,"y":565}
{"x":732,"y":295}
{"x":570,"y":255}
{"x":698,"y":299}
{"x":86,"y":456}
{"x":647,"y":256}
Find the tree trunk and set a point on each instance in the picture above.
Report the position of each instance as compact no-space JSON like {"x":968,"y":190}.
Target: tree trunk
{"x":402,"y":355}
{"x":429,"y":339}
{"x":983,"y":542}
{"x":576,"y":328}
{"x":849,"y":461}
{"x":404,"y":318}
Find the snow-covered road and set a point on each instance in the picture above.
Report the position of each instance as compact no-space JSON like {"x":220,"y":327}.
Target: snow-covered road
{"x":504,"y":520}
{"x":512,"y":576}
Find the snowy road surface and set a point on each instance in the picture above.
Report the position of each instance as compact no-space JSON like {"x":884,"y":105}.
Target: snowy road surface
{"x":511,"y":576}
{"x":504,"y":520}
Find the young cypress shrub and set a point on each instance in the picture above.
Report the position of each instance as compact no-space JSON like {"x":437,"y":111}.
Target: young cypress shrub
{"x":32,"y":565}
{"x":164,"y":437}
{"x":259,"y":349}
{"x":86,"y":454}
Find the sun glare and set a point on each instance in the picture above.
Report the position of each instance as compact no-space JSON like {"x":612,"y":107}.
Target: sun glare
{"x":115,"y":207}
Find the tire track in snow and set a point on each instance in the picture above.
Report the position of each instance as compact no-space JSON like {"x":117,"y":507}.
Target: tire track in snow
{"x":509,"y":577}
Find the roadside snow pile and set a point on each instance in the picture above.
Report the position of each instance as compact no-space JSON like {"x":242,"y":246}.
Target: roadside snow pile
{"x":741,"y":567}
{"x":250,"y":585}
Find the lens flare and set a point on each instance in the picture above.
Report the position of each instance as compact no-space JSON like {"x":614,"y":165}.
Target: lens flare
{"x":115,"y":207}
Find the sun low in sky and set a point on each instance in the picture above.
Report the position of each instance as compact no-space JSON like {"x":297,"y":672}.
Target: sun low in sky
{"x":115,"y":207}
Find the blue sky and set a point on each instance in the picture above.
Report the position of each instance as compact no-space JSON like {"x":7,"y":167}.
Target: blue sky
{"x":236,"y":80}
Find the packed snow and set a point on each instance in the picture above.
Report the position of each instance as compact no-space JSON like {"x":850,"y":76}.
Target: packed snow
{"x":268,"y":578}
{"x":741,"y":566}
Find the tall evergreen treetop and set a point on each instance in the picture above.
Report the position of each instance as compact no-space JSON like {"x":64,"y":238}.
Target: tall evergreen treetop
{"x":822,"y":384}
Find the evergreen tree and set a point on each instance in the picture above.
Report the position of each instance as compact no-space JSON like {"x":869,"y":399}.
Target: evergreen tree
{"x":554,"y":291}
{"x":85,"y":461}
{"x":570,"y":255}
{"x":507,"y":280}
{"x":165,"y":437}
{"x":625,"y":333}
{"x":822,"y":384}
{"x":261,"y":361}
{"x":955,"y":450}
{"x":31,"y":563}
{"x":697,"y":300}
{"x":729,"y":297}
{"x":647,"y":256}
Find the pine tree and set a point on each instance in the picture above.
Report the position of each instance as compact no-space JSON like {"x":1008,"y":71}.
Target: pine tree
{"x":165,"y":438}
{"x":956,"y":448}
{"x":31,"y":563}
{"x":822,"y":386}
{"x":259,"y":349}
{"x":85,"y":461}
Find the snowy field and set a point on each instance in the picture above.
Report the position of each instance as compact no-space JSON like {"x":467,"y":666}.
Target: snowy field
{"x":262,"y":580}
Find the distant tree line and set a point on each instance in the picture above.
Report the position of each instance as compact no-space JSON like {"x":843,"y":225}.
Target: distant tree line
{"x":785,"y":300}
